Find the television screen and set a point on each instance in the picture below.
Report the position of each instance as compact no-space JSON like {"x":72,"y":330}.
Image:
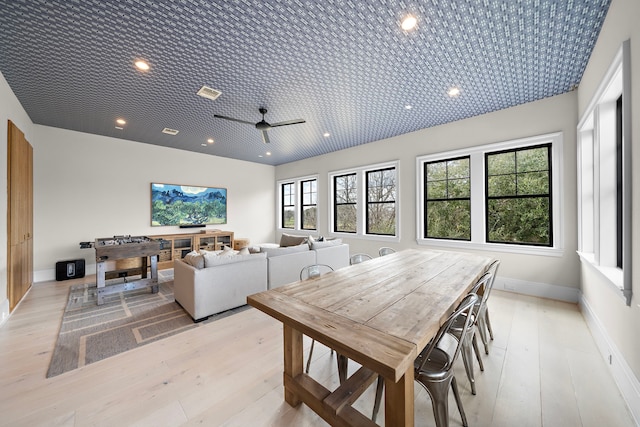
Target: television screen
{"x":187,"y":205}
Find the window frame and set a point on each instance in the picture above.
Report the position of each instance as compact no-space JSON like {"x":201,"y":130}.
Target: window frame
{"x":368,"y":203}
{"x":361,"y":204}
{"x":425,"y":166}
{"x":303,"y":205}
{"x":298,"y":208}
{"x":601,"y":201}
{"x":548,"y":195}
{"x":478,"y":196}
{"x":284,"y":205}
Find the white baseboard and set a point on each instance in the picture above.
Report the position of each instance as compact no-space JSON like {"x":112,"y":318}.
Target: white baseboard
{"x":536,"y":289}
{"x":622,"y":374}
{"x":4,"y":309}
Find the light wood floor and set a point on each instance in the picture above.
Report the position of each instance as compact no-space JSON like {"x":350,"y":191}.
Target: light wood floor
{"x":543,"y":370}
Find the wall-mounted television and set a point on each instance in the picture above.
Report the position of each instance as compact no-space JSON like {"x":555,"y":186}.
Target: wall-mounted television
{"x":187,"y":205}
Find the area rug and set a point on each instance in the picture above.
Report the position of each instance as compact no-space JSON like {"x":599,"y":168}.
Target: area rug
{"x":127,"y":320}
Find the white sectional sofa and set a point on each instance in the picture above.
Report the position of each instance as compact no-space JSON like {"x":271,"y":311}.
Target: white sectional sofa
{"x":206,"y":283}
{"x":220,"y":286}
{"x":285,"y":263}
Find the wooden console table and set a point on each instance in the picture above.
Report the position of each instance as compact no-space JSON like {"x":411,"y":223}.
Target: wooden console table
{"x":120,"y":247}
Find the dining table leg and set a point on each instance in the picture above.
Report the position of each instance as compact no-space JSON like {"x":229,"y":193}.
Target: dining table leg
{"x":398,"y":401}
{"x":293,"y":361}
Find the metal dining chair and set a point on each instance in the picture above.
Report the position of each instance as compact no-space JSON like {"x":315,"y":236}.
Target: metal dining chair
{"x":385,"y":251}
{"x":311,"y":272}
{"x":433,"y":368}
{"x":434,"y":365}
{"x":358,"y":258}
{"x":469,"y":340}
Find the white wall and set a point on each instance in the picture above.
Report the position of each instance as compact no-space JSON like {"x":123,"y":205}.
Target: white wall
{"x":89,"y":186}
{"x":10,"y":109}
{"x":540,"y":275}
{"x":614,"y":323}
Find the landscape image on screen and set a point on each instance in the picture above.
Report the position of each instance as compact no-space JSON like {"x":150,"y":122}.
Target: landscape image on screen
{"x":187,"y":205}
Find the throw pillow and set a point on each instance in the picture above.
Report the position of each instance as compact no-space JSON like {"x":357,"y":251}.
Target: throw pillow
{"x":195,"y":259}
{"x":291,"y":240}
{"x":244,"y":251}
{"x":283,"y":251}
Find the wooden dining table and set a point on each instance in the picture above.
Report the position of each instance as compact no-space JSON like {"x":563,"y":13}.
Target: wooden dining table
{"x":380,"y":313}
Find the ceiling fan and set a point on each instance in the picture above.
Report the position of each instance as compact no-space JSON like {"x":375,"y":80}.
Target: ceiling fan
{"x":262,"y":125}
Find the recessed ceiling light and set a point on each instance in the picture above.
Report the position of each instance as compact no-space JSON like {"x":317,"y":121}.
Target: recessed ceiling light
{"x":210,"y":140}
{"x":259,"y":155}
{"x":268,"y":153}
{"x":121,"y":121}
{"x":409,"y":22}
{"x":408,"y":107}
{"x":203,"y":144}
{"x":326,"y":134}
{"x":453,"y":92}
{"x":119,"y":127}
{"x":142,"y":65}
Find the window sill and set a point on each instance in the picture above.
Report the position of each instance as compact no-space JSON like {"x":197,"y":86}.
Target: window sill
{"x":613,"y":276}
{"x":373,"y":237}
{"x":494,"y":247}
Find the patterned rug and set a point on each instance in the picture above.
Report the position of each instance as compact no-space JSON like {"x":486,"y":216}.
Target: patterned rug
{"x":126,"y":320}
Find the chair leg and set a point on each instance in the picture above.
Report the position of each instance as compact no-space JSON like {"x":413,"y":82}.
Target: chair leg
{"x":309,"y":359}
{"x":483,"y":333}
{"x":376,"y":406}
{"x":486,"y":318}
{"x":343,"y":364}
{"x":467,"y":358}
{"x":439,"y":393}
{"x":476,"y":350}
{"x":456,"y":394}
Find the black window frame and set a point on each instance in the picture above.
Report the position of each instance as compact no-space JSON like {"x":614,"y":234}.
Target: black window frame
{"x":284,"y":205}
{"x":303,"y":205}
{"x":368,"y":202}
{"x":549,"y":195}
{"x":336,"y":204}
{"x":425,"y":165}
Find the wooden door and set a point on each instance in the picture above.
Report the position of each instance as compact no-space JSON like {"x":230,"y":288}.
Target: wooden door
{"x":20,"y":218}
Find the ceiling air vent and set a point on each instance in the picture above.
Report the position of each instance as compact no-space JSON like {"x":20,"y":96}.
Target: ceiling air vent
{"x":170,"y":131}
{"x":207,"y":92}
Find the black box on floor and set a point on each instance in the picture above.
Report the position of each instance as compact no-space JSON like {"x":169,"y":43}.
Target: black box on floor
{"x":73,"y":269}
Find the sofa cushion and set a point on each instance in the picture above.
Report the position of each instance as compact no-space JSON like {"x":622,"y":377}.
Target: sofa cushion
{"x":283,"y":251}
{"x":326,"y":244}
{"x":211,"y":259}
{"x":291,"y":240}
{"x":194,"y":258}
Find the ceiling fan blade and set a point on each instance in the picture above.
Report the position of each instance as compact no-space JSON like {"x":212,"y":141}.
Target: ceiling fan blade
{"x":265,"y":137}
{"x":233,"y":120}
{"x":288,"y":122}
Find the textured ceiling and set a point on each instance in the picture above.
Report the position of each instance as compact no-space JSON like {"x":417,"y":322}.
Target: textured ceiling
{"x":346,"y":67}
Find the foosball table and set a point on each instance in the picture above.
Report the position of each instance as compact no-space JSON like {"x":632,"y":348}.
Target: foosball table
{"x":121,"y":247}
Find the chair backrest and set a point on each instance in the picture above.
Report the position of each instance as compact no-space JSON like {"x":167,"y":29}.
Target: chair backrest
{"x":314,"y":270}
{"x":385,"y":251}
{"x":482,"y":288}
{"x":358,"y":258}
{"x":464,"y":309}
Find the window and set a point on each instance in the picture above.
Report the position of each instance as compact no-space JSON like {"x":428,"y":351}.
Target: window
{"x":309,"y":204}
{"x":288,"y":205}
{"x":364,"y":202}
{"x":448,"y":199}
{"x":298,"y":212}
{"x":518,"y":202}
{"x":604,"y":177}
{"x":506,"y":195}
{"x":381,"y":201}
{"x":345,"y":194}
